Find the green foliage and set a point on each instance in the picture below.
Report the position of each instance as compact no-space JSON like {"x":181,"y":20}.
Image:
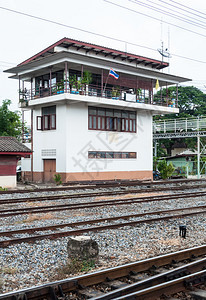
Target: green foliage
{"x":57,"y":179}
{"x":75,"y":266}
{"x":3,"y":189}
{"x":165,"y":169}
{"x":191,"y":103}
{"x":10,"y":121}
{"x":87,"y":77}
{"x":72,"y":81}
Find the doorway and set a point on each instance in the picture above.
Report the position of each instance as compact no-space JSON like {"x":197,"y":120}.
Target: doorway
{"x":49,"y":170}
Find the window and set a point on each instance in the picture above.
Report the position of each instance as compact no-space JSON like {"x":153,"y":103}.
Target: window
{"x":111,"y":119}
{"x":48,"y":119}
{"x":116,"y":155}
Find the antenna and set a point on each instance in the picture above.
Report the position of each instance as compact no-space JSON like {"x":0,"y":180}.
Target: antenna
{"x":164,"y":53}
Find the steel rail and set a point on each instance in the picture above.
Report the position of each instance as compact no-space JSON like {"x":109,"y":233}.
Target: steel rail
{"x":171,"y":287}
{"x":82,"y":205}
{"x":93,"y":185}
{"x":61,"y":234}
{"x":71,"y":284}
{"x":155,"y":280}
{"x":102,"y":220}
{"x":96,"y":194}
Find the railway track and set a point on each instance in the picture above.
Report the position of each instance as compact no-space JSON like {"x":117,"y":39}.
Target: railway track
{"x":98,"y":185}
{"x":190,"y":211}
{"x":147,"y":279}
{"x":82,"y":205}
{"x":97,"y":194}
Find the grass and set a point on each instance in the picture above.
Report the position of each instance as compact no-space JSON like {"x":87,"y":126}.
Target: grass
{"x":74,"y":266}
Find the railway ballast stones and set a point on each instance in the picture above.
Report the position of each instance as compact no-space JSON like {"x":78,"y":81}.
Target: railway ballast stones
{"x":82,"y":248}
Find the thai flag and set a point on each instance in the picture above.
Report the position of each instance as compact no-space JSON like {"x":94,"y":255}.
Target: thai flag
{"x":112,"y":73}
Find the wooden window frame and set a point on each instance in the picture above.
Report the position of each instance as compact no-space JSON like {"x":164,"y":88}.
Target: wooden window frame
{"x":41,"y":122}
{"x":112,"y":119}
{"x":111,"y":155}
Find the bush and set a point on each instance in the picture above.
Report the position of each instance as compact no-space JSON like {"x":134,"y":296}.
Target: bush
{"x":165,"y":169}
{"x":57,"y":179}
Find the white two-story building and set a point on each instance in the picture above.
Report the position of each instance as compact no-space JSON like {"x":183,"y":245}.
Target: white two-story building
{"x":85,"y":124}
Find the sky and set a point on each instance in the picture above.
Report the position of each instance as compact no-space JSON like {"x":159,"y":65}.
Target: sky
{"x":135,"y":26}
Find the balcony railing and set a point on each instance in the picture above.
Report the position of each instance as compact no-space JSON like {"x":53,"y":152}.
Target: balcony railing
{"x":143,"y":96}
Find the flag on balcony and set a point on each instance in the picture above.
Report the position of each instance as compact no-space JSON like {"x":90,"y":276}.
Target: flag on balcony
{"x":157,"y":85}
{"x":113,"y":74}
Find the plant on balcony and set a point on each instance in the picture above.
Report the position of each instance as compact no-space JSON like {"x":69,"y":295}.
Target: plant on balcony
{"x":86,"y":80}
{"x":139,"y":93}
{"x":60,"y":87}
{"x":87,"y":77}
{"x":72,"y":83}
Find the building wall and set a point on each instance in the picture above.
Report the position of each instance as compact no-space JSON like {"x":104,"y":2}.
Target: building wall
{"x":81,"y":140}
{"x":50,"y":144}
{"x":8,"y":165}
{"x":8,"y":181}
{"x":70,"y":142}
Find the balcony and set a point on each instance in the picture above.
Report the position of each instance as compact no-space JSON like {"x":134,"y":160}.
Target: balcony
{"x":113,"y":92}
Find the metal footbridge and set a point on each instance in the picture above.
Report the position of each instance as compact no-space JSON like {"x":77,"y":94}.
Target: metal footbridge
{"x":179,"y":128}
{"x":182,"y":128}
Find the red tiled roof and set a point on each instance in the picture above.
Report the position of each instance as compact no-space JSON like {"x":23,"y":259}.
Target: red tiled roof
{"x":9,"y":144}
{"x":67,"y":43}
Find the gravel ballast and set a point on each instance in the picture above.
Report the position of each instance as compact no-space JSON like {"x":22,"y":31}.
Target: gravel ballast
{"x":24,"y":265}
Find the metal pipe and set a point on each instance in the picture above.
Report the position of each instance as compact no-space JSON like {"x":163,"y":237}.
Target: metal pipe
{"x":198,"y":156}
{"x":50,"y":80}
{"x":32,"y":163}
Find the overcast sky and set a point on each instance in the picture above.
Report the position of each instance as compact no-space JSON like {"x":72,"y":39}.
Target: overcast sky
{"x":128,"y":21}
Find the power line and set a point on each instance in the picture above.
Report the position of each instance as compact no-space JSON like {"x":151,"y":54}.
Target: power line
{"x":182,"y":9}
{"x":188,"y":7}
{"x":154,"y":18}
{"x":104,"y":36}
{"x":168,"y":13}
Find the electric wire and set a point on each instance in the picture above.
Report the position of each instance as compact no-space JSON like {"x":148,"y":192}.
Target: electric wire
{"x":107,"y":37}
{"x":154,"y":18}
{"x":187,"y":7}
{"x":181,"y":10}
{"x":165,"y":12}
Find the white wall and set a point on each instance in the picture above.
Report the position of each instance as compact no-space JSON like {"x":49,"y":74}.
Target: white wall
{"x":81,"y":140}
{"x":26,"y":162}
{"x":8,"y":181}
{"x":72,"y":141}
{"x":51,"y":140}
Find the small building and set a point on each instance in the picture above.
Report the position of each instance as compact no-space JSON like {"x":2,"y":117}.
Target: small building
{"x":184,"y":162}
{"x":11,"y":150}
{"x":178,"y":147}
{"x":91,"y":111}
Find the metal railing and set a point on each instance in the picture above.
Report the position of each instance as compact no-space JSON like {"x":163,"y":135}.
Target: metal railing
{"x":96,"y":91}
{"x":179,"y":125}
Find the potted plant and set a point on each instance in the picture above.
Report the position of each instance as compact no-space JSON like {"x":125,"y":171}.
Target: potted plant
{"x":60,"y":87}
{"x":86,"y":80}
{"x":72,"y":83}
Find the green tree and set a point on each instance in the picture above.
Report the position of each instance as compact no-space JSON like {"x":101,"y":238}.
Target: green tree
{"x":191,"y":103}
{"x":165,"y":169}
{"x":10,"y":121}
